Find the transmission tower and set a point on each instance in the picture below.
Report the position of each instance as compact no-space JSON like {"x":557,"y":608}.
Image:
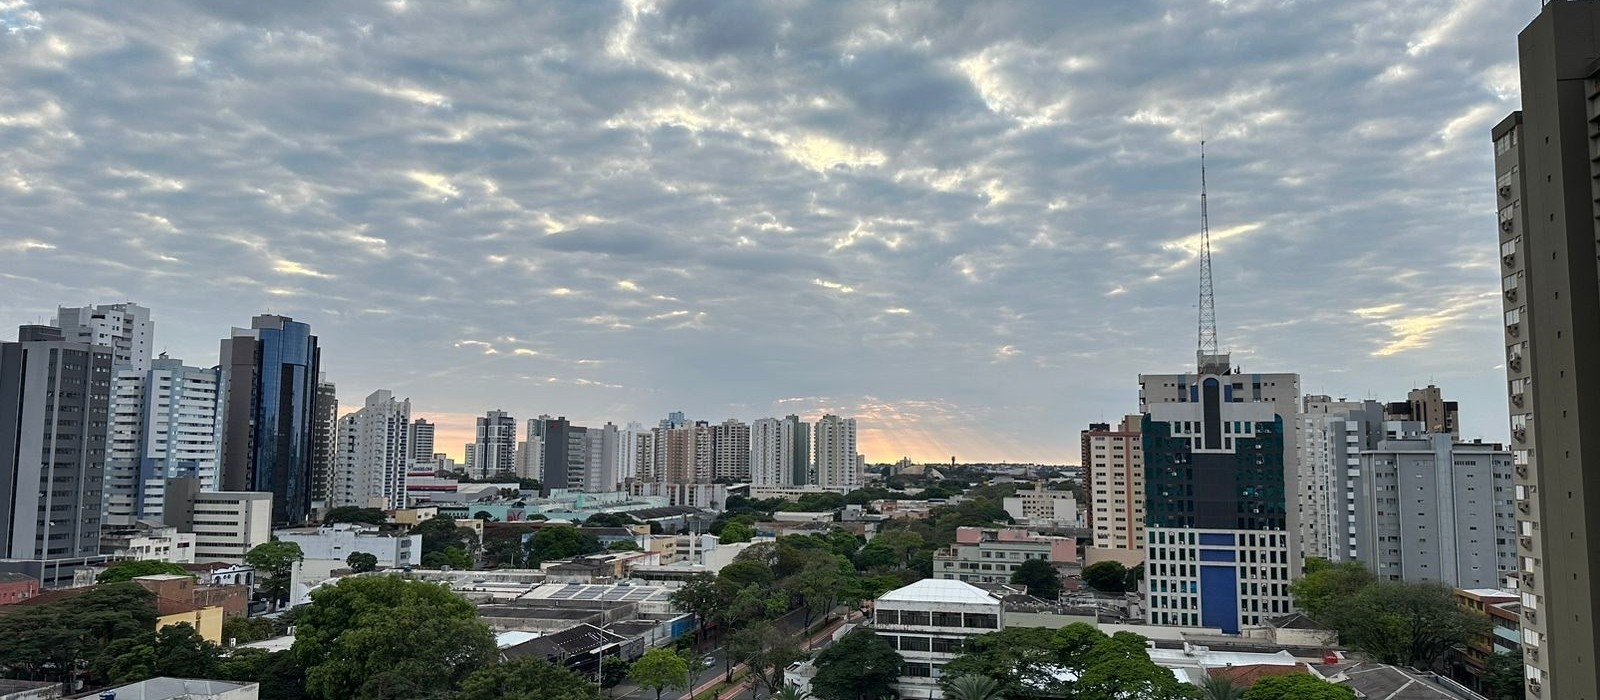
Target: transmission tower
{"x":1206,"y":354}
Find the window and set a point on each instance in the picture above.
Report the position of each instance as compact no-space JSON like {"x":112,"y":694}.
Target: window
{"x":982,"y":621}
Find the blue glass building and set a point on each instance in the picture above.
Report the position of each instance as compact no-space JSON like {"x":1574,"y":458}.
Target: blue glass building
{"x":269,"y":395}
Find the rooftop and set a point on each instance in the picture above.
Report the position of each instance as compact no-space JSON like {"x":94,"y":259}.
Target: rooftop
{"x":175,"y":689}
{"x":1375,"y":680}
{"x":933,"y":590}
{"x":573,"y":640}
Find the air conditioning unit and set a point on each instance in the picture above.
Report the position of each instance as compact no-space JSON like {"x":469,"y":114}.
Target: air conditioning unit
{"x":1514,"y":329}
{"x":1515,"y":363}
{"x":1521,"y":434}
{"x":1505,"y":190}
{"x":1531,"y":614}
{"x":1511,"y":295}
{"x":1517,"y":398}
{"x":1527,"y":577}
{"x":1506,"y":225}
{"x":1509,"y":260}
{"x":1527,"y":542}
{"x":1522,"y":471}
{"x":1522,"y":505}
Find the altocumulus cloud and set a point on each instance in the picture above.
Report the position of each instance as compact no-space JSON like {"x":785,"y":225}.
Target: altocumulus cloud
{"x":971,"y":223}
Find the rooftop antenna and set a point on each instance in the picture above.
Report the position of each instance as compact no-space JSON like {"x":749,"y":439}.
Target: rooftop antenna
{"x":1206,"y":356}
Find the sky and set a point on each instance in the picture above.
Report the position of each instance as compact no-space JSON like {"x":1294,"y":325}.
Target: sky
{"x":970,"y":225}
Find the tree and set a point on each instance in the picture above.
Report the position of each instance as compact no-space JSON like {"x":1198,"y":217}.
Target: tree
{"x":859,"y":667}
{"x":280,"y":675}
{"x":1220,"y":688}
{"x":452,"y":556}
{"x":440,"y":532}
{"x":1118,"y":667}
{"x":244,"y":630}
{"x":1503,"y":676}
{"x":527,"y":679}
{"x":1106,"y":576}
{"x":610,"y":520}
{"x":174,"y":650}
{"x":1040,"y":578}
{"x":658,"y":670}
{"x":623,"y":546}
{"x":698,"y":596}
{"x":973,"y":688}
{"x":354,"y":514}
{"x":1020,"y":659}
{"x":1324,"y":590}
{"x":382,"y":637}
{"x":1412,"y":624}
{"x":613,"y":671}
{"x":274,"y":561}
{"x":483,"y":515}
{"x":1297,"y":686}
{"x":132,"y":569}
{"x":560,"y":542}
{"x":361,"y":562}
{"x":49,"y":641}
{"x":766,"y":651}
{"x":790,"y":693}
{"x":1134,"y":578}
{"x":737,"y":532}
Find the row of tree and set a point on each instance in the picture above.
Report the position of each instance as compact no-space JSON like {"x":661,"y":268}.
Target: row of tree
{"x":1397,"y":622}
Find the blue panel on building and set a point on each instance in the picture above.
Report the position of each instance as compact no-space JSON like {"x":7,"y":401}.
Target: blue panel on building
{"x":1216,"y":555}
{"x":1216,"y":539}
{"x":1219,"y":598}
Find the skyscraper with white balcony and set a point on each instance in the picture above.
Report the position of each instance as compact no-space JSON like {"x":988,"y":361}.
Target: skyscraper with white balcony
{"x":837,"y":463}
{"x":766,"y":454}
{"x":730,"y":451}
{"x":126,"y":328}
{"x":163,"y":425}
{"x":373,"y":454}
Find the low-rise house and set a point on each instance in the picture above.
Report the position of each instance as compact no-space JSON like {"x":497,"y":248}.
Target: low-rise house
{"x":149,"y":540}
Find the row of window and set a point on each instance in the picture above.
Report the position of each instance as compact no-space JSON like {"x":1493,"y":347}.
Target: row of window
{"x":923,"y":618}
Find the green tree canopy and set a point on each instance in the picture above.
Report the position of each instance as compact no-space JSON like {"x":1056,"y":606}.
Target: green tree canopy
{"x":362,"y":562}
{"x":1412,"y":624}
{"x":1019,"y":659}
{"x":766,"y":651}
{"x":1323,"y":591}
{"x":699,"y":597}
{"x":660,"y":669}
{"x":527,"y":679}
{"x":560,"y":542}
{"x":1106,"y":577}
{"x":862,"y":666}
{"x":274,"y":561}
{"x":1503,"y":677}
{"x":175,"y":650}
{"x":353,"y":514}
{"x":47,"y":641}
{"x":735,"y":532}
{"x":383,"y":637}
{"x":279,"y":673}
{"x":623,"y":546}
{"x":1297,"y":686}
{"x":244,"y":630}
{"x":440,"y":532}
{"x":610,"y":520}
{"x":973,"y":688}
{"x":1040,"y":578}
{"x":132,"y":569}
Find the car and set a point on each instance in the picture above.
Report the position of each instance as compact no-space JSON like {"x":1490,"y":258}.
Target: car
{"x":709,"y":660}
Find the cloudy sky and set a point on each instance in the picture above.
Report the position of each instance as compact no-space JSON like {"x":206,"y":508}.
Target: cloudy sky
{"x":971,"y":225}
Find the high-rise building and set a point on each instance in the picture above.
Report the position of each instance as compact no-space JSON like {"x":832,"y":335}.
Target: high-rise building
{"x":422,"y":433}
{"x":324,"y":442}
{"x":373,"y":454}
{"x":1429,"y":508}
{"x":163,"y":426}
{"x":1332,"y":435}
{"x":766,"y":454}
{"x":600,"y":459}
{"x":1221,"y":542}
{"x":796,"y":451}
{"x":268,"y":398}
{"x":530,"y":458}
{"x":226,"y":524}
{"x":126,"y":328}
{"x":54,"y":398}
{"x":705,"y":448}
{"x":674,"y":419}
{"x":1547,"y":248}
{"x":495,"y":448}
{"x":1428,"y":407}
{"x":628,"y":452}
{"x":566,"y":455}
{"x":669,"y":455}
{"x":837,"y":466}
{"x":730,"y":451}
{"x":1113,"y":473}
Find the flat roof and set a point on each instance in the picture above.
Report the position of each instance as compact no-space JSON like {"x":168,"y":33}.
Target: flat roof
{"x":935,"y":590}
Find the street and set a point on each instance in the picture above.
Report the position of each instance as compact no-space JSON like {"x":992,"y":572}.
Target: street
{"x":709,"y":677}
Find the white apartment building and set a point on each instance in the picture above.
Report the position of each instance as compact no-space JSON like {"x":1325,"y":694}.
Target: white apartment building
{"x":125,"y":328}
{"x":1040,"y":507}
{"x":338,"y":542}
{"x":530,"y":458}
{"x":1332,"y":435}
{"x":628,"y":452}
{"x":226,"y":524}
{"x":766,"y":454}
{"x":163,"y":423}
{"x":422,"y":433}
{"x":928,"y":622}
{"x":373,"y":454}
{"x":837,"y":462}
{"x":992,"y":556}
{"x":145,"y":542}
{"x":600,"y":463}
{"x":495,"y":449}
{"x":1113,"y":470}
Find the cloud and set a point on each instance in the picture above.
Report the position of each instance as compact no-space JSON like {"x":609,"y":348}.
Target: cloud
{"x":969,"y":223}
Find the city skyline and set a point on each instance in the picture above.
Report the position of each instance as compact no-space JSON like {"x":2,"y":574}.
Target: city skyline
{"x":941,"y":223}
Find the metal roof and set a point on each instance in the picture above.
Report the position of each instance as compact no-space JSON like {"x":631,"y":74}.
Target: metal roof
{"x":937,"y":590}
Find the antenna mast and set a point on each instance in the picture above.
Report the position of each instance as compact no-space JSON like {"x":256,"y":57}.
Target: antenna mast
{"x":1206,"y":353}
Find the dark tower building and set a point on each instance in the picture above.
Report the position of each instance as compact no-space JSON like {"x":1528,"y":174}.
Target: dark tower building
{"x":268,"y":398}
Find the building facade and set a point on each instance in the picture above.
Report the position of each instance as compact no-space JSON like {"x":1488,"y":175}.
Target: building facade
{"x":268,"y":396}
{"x":226,"y":524}
{"x":992,"y":556}
{"x":1430,"y":509}
{"x":125,"y":328}
{"x":1220,"y":538}
{"x":1042,"y":507}
{"x":837,"y":463}
{"x":422,"y":432}
{"x":324,"y":442}
{"x":494,"y":448}
{"x":795,"y":435}
{"x":163,"y":425}
{"x":55,"y":395}
{"x":1551,"y":288}
{"x":1113,"y":473}
{"x":928,"y":622}
{"x":766,"y":454}
{"x":373,"y":454}
{"x":338,"y":542}
{"x":730,"y":451}
{"x":1428,"y":407}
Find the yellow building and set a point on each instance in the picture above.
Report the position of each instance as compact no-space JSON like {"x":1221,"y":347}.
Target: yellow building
{"x":207,"y":621}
